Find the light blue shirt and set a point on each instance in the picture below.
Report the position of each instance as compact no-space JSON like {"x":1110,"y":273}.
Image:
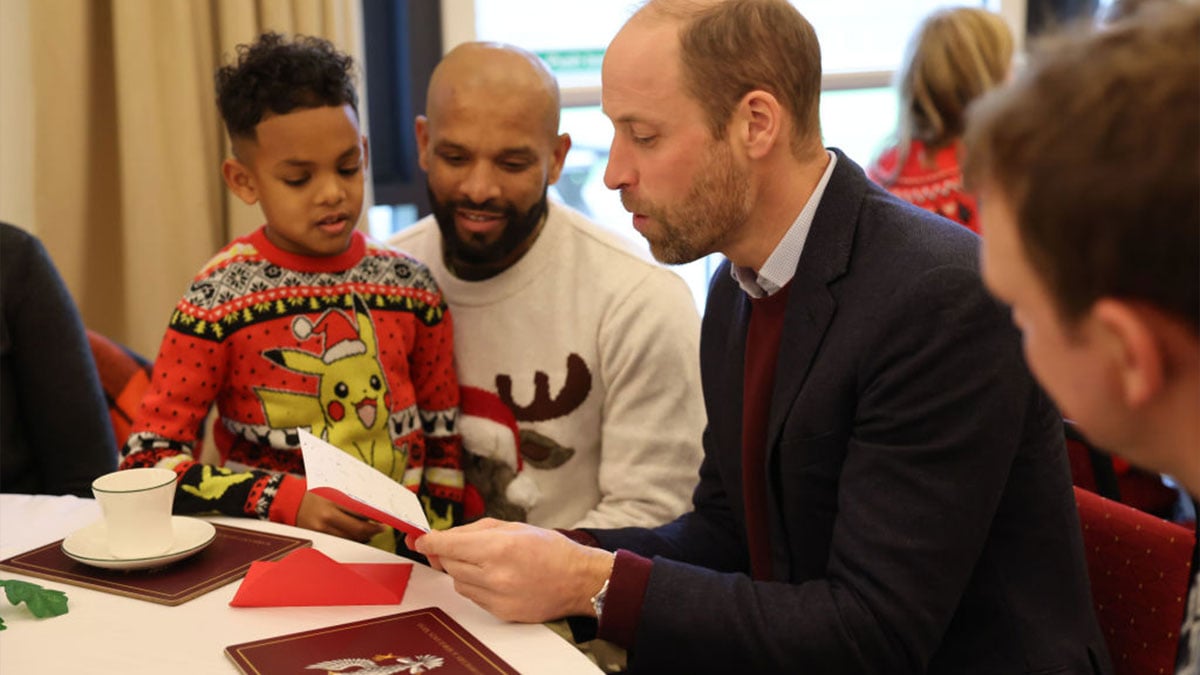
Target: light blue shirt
{"x":780,"y":266}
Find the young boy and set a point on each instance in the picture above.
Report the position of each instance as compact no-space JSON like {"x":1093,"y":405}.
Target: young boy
{"x":305,"y":323}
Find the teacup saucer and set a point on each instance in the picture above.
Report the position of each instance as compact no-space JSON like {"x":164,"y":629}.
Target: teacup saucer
{"x":88,"y":545}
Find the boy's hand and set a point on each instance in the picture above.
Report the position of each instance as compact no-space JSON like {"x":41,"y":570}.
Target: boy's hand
{"x":320,"y":514}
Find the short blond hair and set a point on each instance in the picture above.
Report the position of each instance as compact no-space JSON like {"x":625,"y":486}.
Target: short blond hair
{"x":729,"y":49}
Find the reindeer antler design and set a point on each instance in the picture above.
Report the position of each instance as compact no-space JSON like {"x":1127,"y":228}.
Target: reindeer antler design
{"x":572,"y":395}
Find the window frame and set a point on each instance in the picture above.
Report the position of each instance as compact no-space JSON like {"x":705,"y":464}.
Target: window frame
{"x":458,"y":26}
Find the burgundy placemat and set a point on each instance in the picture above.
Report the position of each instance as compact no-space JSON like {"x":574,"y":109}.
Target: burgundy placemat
{"x":225,"y":559}
{"x":396,"y":643}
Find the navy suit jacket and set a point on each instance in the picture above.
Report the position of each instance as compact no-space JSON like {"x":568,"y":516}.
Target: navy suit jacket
{"x":918,"y":491}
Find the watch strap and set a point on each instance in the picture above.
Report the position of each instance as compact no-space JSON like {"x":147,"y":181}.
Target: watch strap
{"x":598,"y":600}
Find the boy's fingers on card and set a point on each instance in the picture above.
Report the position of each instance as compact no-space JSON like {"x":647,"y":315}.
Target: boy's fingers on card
{"x":357,"y":516}
{"x":322,"y":515}
{"x":360,"y":529}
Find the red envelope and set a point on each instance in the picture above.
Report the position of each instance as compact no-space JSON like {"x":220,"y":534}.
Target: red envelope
{"x":308,"y":577}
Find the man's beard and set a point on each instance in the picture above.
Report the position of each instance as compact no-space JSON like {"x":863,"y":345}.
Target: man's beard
{"x":518,"y":228}
{"x":717,"y":204}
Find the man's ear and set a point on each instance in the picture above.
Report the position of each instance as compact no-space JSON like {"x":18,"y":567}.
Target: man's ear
{"x":366,"y":163}
{"x":239,"y":180}
{"x":758,"y":120}
{"x":1133,"y":348}
{"x":562,"y":145}
{"x":421,"y":129}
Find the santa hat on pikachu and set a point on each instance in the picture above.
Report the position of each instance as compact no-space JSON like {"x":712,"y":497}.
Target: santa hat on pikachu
{"x":337,"y":331}
{"x":489,"y":429}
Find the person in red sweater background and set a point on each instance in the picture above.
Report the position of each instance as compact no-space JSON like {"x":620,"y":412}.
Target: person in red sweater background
{"x":305,"y":323}
{"x":955,"y":56}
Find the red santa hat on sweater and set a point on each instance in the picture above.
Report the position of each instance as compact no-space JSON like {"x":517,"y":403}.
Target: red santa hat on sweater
{"x":489,"y":429}
{"x":337,"y":331}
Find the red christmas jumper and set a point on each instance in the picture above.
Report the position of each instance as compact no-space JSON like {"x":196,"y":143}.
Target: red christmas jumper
{"x":356,"y":348}
{"x":936,"y":187}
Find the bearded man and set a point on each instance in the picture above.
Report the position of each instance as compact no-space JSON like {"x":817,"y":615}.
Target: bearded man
{"x":592,"y":347}
{"x":884,"y":489}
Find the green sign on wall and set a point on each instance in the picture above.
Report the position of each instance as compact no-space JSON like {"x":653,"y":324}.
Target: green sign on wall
{"x":573,"y":60}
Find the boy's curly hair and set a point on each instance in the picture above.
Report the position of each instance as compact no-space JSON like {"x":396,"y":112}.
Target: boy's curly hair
{"x":275,"y":75}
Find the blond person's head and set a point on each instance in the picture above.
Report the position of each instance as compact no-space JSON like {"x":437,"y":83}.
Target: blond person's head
{"x":956,"y":55}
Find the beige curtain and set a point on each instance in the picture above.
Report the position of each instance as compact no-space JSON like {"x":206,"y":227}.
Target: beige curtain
{"x":117,"y":167}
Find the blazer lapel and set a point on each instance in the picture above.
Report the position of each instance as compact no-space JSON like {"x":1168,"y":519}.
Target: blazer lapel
{"x":735,"y":369}
{"x":809,"y":311}
{"x":811,"y":306}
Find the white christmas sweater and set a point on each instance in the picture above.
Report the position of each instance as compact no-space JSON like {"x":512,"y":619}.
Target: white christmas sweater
{"x":595,"y":349}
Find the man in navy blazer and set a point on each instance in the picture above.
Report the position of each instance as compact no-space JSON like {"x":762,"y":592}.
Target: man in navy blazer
{"x":884,"y":489}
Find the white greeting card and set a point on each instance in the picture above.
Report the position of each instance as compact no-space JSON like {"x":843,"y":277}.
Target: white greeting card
{"x":359,"y":487}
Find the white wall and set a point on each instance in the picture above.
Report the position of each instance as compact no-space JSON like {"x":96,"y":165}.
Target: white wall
{"x":458,"y":23}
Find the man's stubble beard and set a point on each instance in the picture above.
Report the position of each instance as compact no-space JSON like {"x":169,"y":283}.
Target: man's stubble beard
{"x":517,"y":229}
{"x":717,"y":205}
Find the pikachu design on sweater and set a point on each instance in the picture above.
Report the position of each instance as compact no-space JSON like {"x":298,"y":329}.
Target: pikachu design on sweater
{"x":350,"y":409}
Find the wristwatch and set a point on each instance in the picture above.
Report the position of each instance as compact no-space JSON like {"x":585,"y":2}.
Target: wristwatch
{"x":598,"y":599}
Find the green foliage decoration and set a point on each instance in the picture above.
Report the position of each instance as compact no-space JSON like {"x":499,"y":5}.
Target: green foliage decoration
{"x":42,"y":602}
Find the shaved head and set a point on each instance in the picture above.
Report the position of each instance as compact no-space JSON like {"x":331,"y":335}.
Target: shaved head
{"x":490,"y":147}
{"x":493,"y":70}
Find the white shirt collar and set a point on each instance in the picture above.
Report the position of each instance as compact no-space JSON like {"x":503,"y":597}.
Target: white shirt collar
{"x":780,"y":266}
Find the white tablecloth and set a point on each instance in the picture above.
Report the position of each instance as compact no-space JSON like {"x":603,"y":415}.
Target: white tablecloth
{"x":107,"y":633}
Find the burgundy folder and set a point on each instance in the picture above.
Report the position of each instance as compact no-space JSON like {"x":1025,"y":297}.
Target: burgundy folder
{"x":410,"y":642}
{"x":227,"y":558}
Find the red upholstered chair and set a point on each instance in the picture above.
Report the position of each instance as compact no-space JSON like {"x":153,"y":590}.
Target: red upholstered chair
{"x":1139,"y":567}
{"x":1096,"y":470}
{"x":124,"y":377}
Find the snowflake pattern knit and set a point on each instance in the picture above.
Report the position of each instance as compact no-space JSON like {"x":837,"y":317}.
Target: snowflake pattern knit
{"x":936,"y":187}
{"x":356,"y":348}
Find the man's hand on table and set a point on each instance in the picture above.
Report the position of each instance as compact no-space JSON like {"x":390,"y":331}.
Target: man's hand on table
{"x":516,"y":571}
{"x":320,"y":514}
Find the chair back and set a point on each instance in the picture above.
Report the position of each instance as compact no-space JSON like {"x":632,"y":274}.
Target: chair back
{"x":1139,"y":567}
{"x":124,"y":376}
{"x":1096,"y":470}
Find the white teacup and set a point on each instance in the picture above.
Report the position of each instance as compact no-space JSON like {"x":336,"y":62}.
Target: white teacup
{"x":137,"y":511}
